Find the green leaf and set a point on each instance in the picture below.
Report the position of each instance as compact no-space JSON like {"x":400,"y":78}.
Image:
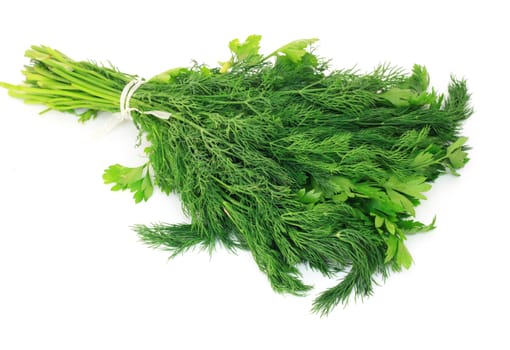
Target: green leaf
{"x":384,"y":207}
{"x":392,"y":247}
{"x":136,"y":185}
{"x":309,"y":197}
{"x":294,"y":50}
{"x":340,"y":198}
{"x":132,"y":175}
{"x":402,"y":201}
{"x":147,"y":187}
{"x":122,"y":175}
{"x":248,"y":49}
{"x":423,"y":99}
{"x":456,"y":156}
{"x":398,"y":97}
{"x":397,"y":250}
{"x":118,"y":187}
{"x":125,"y":178}
{"x":378,"y":222}
{"x":390,"y":226}
{"x":403,"y":256}
{"x":367,"y":190}
{"x":225,"y":66}
{"x":138,"y":196}
{"x":458,"y":159}
{"x":342,"y":189}
{"x":170,"y":75}
{"x":412,"y":92}
{"x":341,"y":184}
{"x":456,"y":145}
{"x":206,"y":72}
{"x":245,"y":52}
{"x":422,"y":159}
{"x":413,"y":186}
{"x":411,"y":227}
{"x":419,"y":80}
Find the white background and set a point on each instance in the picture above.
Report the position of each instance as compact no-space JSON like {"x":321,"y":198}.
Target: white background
{"x":74,"y":276}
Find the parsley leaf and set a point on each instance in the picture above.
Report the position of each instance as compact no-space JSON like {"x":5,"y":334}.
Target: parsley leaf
{"x":133,"y":179}
{"x":294,"y":50}
{"x":412,"y":186}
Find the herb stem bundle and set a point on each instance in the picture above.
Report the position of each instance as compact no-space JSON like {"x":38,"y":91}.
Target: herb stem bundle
{"x":279,"y":155}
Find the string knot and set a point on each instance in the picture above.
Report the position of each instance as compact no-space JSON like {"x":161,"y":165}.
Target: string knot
{"x":126,"y":95}
{"x":125,"y":109}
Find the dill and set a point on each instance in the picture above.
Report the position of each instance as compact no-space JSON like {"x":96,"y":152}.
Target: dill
{"x":280,"y":155}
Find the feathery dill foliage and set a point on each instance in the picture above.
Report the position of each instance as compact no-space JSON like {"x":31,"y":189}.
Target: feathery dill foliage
{"x":279,"y":155}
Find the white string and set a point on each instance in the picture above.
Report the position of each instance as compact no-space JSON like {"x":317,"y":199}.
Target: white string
{"x":126,"y":95}
{"x":125,"y":110}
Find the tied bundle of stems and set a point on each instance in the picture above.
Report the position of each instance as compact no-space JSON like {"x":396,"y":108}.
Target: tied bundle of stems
{"x":300,"y":164}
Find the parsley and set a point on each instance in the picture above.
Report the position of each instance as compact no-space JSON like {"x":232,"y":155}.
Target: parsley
{"x":278,"y":154}
{"x":133,"y":179}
